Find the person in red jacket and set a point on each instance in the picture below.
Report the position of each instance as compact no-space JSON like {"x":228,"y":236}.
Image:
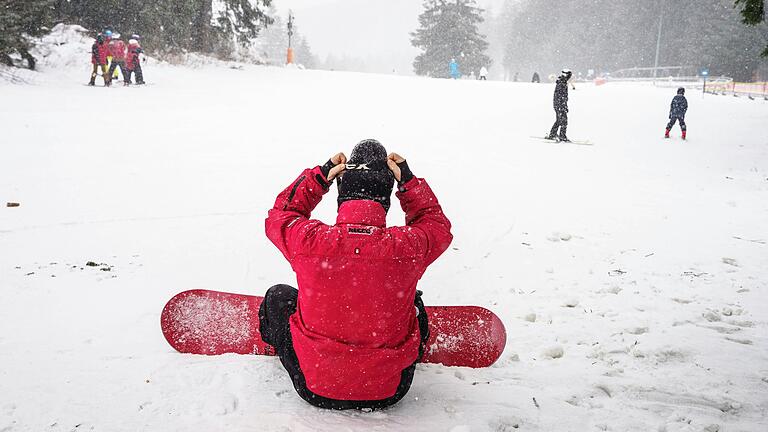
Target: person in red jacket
{"x":133,"y":62}
{"x":351,"y":334}
{"x":99,"y":52}
{"x":117,"y":52}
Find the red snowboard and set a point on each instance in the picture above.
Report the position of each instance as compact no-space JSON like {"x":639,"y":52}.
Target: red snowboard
{"x":212,"y":323}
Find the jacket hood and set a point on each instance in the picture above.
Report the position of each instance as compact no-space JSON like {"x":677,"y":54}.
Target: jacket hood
{"x":362,"y":212}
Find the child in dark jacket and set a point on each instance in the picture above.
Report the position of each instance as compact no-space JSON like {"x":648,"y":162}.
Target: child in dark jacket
{"x":677,"y":112}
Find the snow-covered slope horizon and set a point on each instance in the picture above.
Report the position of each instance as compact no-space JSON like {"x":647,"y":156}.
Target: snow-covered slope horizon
{"x":631,"y":274}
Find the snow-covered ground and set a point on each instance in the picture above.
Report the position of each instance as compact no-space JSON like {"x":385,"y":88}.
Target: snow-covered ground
{"x":639,"y":264}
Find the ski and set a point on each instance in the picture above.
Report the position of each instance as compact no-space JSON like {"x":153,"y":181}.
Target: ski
{"x":557,"y":141}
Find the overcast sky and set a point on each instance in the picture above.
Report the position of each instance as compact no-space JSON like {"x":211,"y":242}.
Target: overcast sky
{"x":374,"y":30}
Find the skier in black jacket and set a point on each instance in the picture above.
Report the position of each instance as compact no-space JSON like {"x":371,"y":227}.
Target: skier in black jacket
{"x":677,"y":112}
{"x":561,"y":107}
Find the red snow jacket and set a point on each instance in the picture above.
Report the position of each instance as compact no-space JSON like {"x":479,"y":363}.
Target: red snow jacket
{"x":117,"y":50}
{"x":99,"y":53}
{"x":132,"y":60}
{"x":355,"y":328}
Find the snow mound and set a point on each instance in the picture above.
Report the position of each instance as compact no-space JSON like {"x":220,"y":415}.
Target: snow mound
{"x":66,"y":46}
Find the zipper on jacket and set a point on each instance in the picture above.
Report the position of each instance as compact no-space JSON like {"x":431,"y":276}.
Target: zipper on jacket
{"x":293,"y":192}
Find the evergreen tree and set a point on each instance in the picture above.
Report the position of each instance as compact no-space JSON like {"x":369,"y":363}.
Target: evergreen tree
{"x":207,"y":26}
{"x":753,"y":13}
{"x":274,"y":40}
{"x":20,"y":20}
{"x":303,"y":52}
{"x":448,"y":30}
{"x":273,"y":43}
{"x":242,"y":19}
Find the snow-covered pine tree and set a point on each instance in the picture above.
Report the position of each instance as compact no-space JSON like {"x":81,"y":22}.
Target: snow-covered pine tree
{"x":206,"y":26}
{"x":273,"y":41}
{"x":448,"y":30}
{"x":303,"y":52}
{"x":753,"y":13}
{"x":20,"y":20}
{"x":241,"y":20}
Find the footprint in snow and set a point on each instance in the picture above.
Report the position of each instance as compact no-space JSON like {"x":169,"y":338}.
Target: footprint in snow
{"x":739,"y":340}
{"x":558,"y":236}
{"x":637,"y":330}
{"x":504,"y":424}
{"x":682,"y":301}
{"x":553,"y":352}
{"x":571,"y":302}
{"x":711,"y":316}
{"x":610,"y":290}
{"x":738,"y":323}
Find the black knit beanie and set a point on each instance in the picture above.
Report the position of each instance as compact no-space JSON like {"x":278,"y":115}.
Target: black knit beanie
{"x":367,"y":176}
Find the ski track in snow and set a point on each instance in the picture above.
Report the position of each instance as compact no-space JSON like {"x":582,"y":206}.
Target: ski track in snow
{"x":631,"y":275}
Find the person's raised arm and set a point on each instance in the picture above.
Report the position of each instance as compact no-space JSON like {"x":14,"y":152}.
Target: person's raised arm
{"x":288,"y":223}
{"x":423,"y":214}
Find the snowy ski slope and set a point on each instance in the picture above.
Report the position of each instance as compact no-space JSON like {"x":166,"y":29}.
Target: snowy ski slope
{"x":631,"y":275}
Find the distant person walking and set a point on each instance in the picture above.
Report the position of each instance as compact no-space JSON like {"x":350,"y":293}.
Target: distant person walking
{"x":536,"y":78}
{"x":677,"y":111}
{"x":483,"y":74}
{"x":453,"y":68}
{"x":560,"y":104}
{"x":99,"y":60}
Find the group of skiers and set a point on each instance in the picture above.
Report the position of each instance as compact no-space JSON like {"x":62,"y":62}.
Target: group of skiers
{"x":678,"y":108}
{"x":560,"y":102}
{"x":109,"y":52}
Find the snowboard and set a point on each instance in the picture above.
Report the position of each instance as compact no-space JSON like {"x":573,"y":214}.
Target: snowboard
{"x":557,"y":141}
{"x":212,"y":323}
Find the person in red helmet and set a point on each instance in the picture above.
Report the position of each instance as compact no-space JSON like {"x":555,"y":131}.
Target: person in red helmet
{"x":99,"y":51}
{"x":350,"y":336}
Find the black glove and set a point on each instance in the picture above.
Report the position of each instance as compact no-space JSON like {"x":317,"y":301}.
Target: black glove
{"x":405,"y":173}
{"x":326,"y":169}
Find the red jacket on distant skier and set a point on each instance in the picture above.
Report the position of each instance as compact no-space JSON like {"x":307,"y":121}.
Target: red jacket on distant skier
{"x":352,"y":332}
{"x":132,"y":60}
{"x":99,"y":51}
{"x":117,"y":49}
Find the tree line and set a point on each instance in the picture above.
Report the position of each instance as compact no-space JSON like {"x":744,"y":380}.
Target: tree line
{"x":205,"y":26}
{"x":603,"y":35}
